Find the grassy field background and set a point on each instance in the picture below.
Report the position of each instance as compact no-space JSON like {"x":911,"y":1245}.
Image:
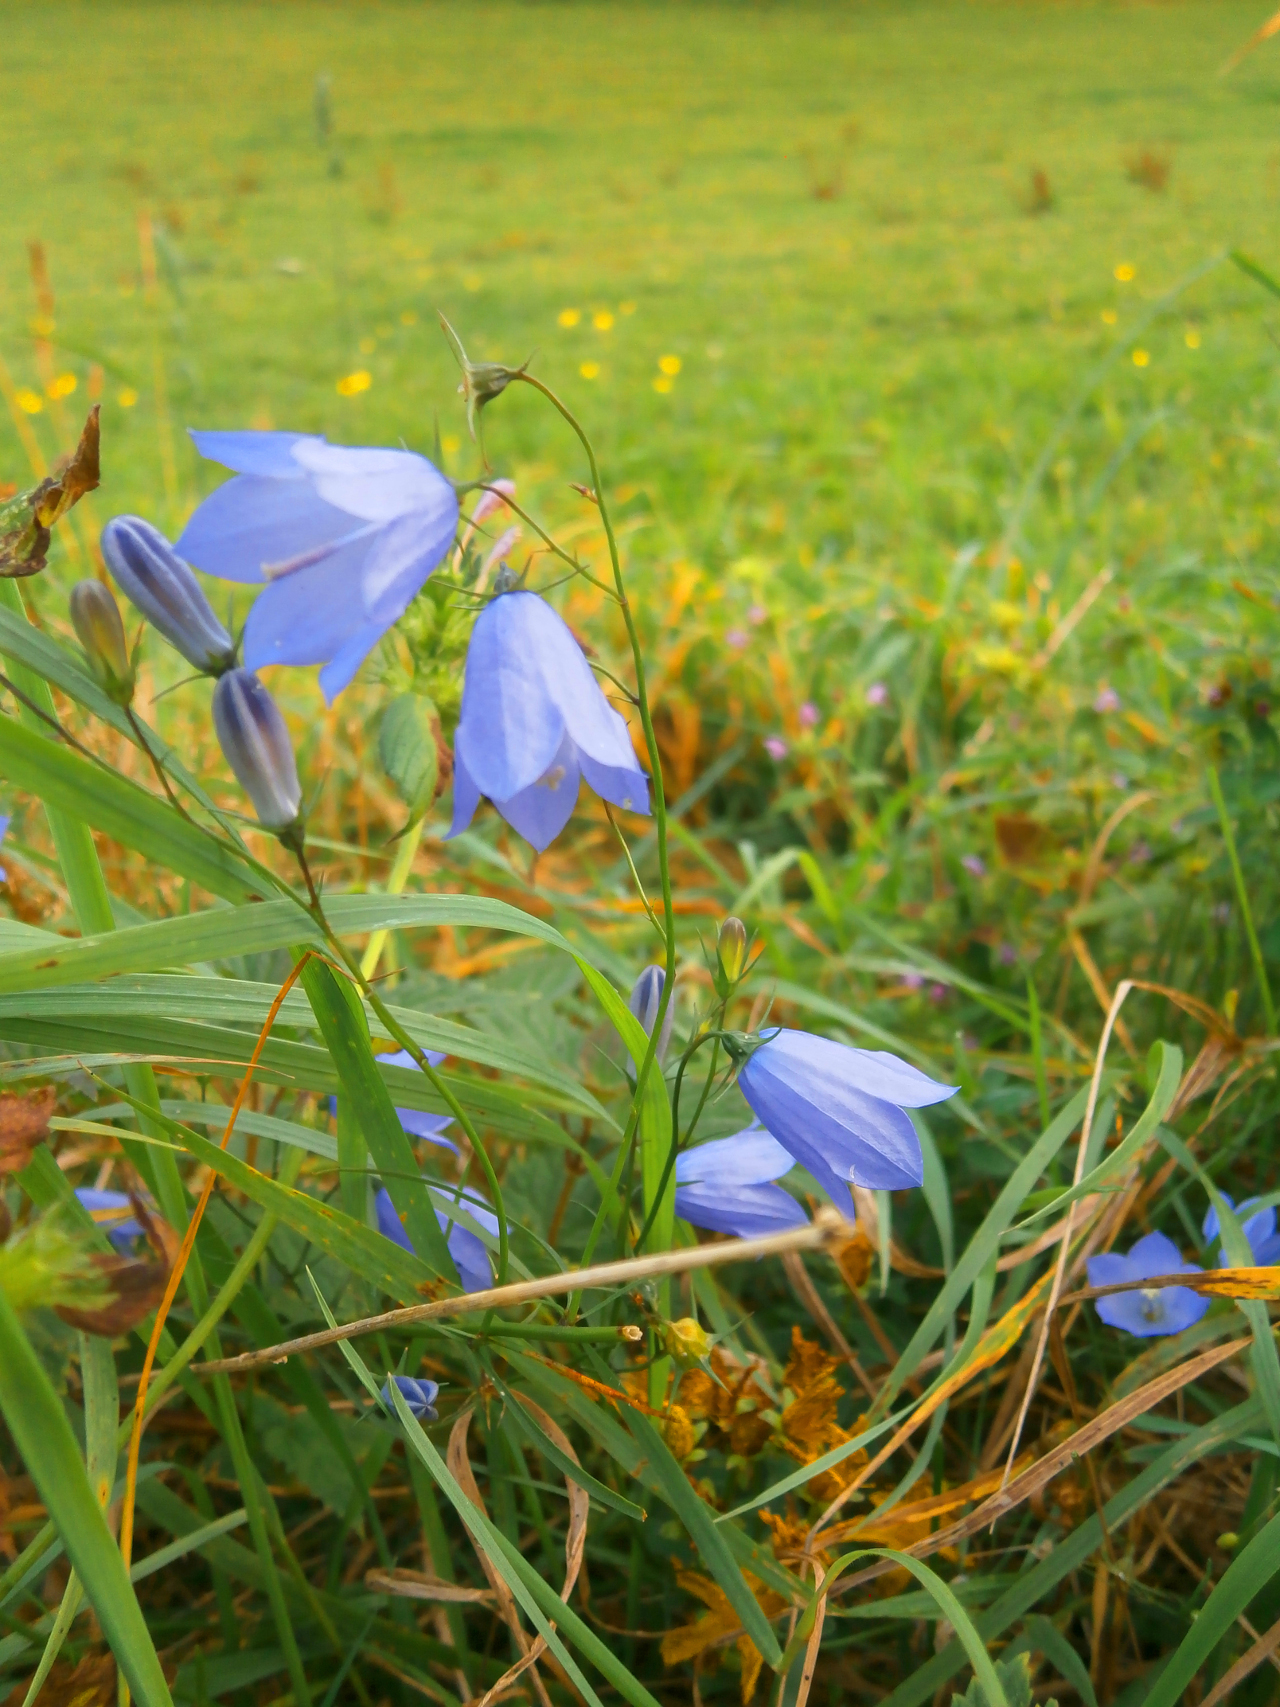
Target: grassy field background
{"x":943,"y":431}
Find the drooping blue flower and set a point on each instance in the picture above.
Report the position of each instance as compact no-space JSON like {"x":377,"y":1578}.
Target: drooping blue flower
{"x":727,"y":1185}
{"x":1153,"y":1312}
{"x":157,"y":582}
{"x":419,"y":1395}
{"x":470,"y":1257}
{"x":414,"y":1120}
{"x":1259,"y":1229}
{"x":255,"y":741}
{"x":839,"y":1110}
{"x":343,"y":536}
{"x":533,"y":722}
{"x":114,"y":1213}
{"x":644,"y":1002}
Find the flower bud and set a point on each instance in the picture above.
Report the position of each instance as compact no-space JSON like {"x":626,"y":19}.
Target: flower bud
{"x":420,"y":1396}
{"x":154,"y":578}
{"x":731,"y":953}
{"x":646,"y":996}
{"x":686,"y":1342}
{"x":253,"y":736}
{"x":481,"y":381}
{"x":95,"y":615}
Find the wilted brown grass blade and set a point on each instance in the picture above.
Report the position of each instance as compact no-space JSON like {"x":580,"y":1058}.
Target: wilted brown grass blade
{"x":1217,"y":1283}
{"x":1248,"y":1662}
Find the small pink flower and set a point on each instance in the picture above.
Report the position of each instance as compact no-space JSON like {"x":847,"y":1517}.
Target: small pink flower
{"x":756,"y":615}
{"x":1107,"y":700}
{"x":877,"y":694}
{"x":938,"y":993}
{"x":913,"y":980}
{"x":493,"y":500}
{"x":776,"y":747}
{"x":1008,"y":954}
{"x":974,"y":865}
{"x":737,"y":638}
{"x":808,"y":714}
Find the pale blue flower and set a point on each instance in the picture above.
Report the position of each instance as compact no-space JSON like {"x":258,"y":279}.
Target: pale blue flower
{"x":343,"y":536}
{"x":839,"y":1111}
{"x":114,"y":1212}
{"x":533,"y":721}
{"x":1148,"y":1313}
{"x":727,"y":1185}
{"x":470,"y":1257}
{"x":419,"y":1395}
{"x":644,"y":1001}
{"x":255,"y":741}
{"x":1259,"y":1229}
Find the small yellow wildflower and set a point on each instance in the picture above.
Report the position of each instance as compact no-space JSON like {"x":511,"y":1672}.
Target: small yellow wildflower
{"x":126,"y":397}
{"x":670,"y":365}
{"x":408,"y":318}
{"x":43,"y":326}
{"x":569,"y":316}
{"x":602,"y":320}
{"x":663,"y":383}
{"x":472,"y":282}
{"x":1141,"y":358}
{"x":626,"y":308}
{"x":352,"y":384}
{"x":1126,"y":273}
{"x":590,"y":370}
{"x":1193,"y":338}
{"x":368,"y":346}
{"x":449,"y":443}
{"x":1109,"y":317}
{"x":62,"y":386}
{"x":30,"y":402}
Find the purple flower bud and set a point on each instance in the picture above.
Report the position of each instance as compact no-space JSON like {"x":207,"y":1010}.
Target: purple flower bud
{"x":154,"y":578}
{"x":776,"y":748}
{"x":808,"y":714}
{"x":974,"y":865}
{"x":646,"y":995}
{"x":95,"y":616}
{"x":419,"y":1396}
{"x":756,"y":615}
{"x":877,"y":694}
{"x":1108,"y":700}
{"x":737,"y":638}
{"x":253,"y":736}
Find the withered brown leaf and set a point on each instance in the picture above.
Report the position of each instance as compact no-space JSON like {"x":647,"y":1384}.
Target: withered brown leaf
{"x":91,"y":1682}
{"x":135,"y":1285}
{"x":24,"y":1120}
{"x":27,"y":521}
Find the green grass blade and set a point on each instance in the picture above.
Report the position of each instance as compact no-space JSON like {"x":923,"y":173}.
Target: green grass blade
{"x":525,"y":1426}
{"x":43,"y":1436}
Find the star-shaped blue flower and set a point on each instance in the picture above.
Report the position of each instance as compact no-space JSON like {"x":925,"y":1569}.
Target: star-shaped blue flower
{"x":1150,"y":1312}
{"x":343,"y":536}
{"x":470,"y":1257}
{"x":1259,"y":1229}
{"x":419,"y":1395}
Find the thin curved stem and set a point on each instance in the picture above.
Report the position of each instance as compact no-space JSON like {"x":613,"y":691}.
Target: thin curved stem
{"x":668,"y":1166}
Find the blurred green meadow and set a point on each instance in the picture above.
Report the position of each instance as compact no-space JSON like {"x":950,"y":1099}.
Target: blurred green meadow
{"x":943,"y":430}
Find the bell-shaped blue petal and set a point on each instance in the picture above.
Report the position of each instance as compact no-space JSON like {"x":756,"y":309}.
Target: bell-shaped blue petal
{"x":534,"y":721}
{"x":726,"y":1186}
{"x":470,"y":1257}
{"x":839,"y":1110}
{"x":414,"y":1120}
{"x":344,"y":536}
{"x":114,"y":1212}
{"x":1147,"y":1313}
{"x":1259,"y":1229}
{"x":419,"y":1395}
{"x":154,"y":578}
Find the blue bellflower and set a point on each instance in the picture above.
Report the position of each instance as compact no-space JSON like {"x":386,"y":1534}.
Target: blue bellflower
{"x":1149,"y":1313}
{"x":839,"y":1111}
{"x":469,"y":1255}
{"x":644,"y":1001}
{"x":343,"y":537}
{"x":1259,"y":1229}
{"x":727,"y":1186}
{"x":157,"y":582}
{"x":113,"y":1212}
{"x":255,"y":740}
{"x":415,"y":1121}
{"x":419,"y":1395}
{"x":533,"y":722}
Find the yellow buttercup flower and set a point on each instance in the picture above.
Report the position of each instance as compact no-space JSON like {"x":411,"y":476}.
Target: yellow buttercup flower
{"x":590,"y":370}
{"x":126,"y":397}
{"x":1141,"y":358}
{"x":30,"y":402}
{"x":670,"y":365}
{"x":1109,"y":317}
{"x":1193,"y":338}
{"x":62,"y":386}
{"x":569,"y":316}
{"x":663,"y":383}
{"x":352,"y":384}
{"x":1125,"y":272}
{"x":602,"y":321}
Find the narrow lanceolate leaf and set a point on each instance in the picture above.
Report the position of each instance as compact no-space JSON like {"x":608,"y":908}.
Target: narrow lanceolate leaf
{"x":43,"y":1436}
{"x":341,"y":1020}
{"x":69,"y":783}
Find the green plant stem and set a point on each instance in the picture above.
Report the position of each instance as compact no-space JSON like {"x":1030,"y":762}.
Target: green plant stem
{"x":1242,"y":895}
{"x":655,"y":769}
{"x":674,"y":1150}
{"x":399,"y":876}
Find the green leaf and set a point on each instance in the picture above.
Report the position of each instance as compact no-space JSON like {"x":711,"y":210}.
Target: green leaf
{"x":408,"y":752}
{"x":525,"y":1426}
{"x":94,"y":795}
{"x":43,"y":1436}
{"x":1039,"y":1634}
{"x":1246,"y":1576}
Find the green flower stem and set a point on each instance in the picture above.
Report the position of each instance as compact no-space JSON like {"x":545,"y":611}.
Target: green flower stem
{"x":1242,"y":895}
{"x":655,"y":769}
{"x":406,"y":848}
{"x":674,"y":1151}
